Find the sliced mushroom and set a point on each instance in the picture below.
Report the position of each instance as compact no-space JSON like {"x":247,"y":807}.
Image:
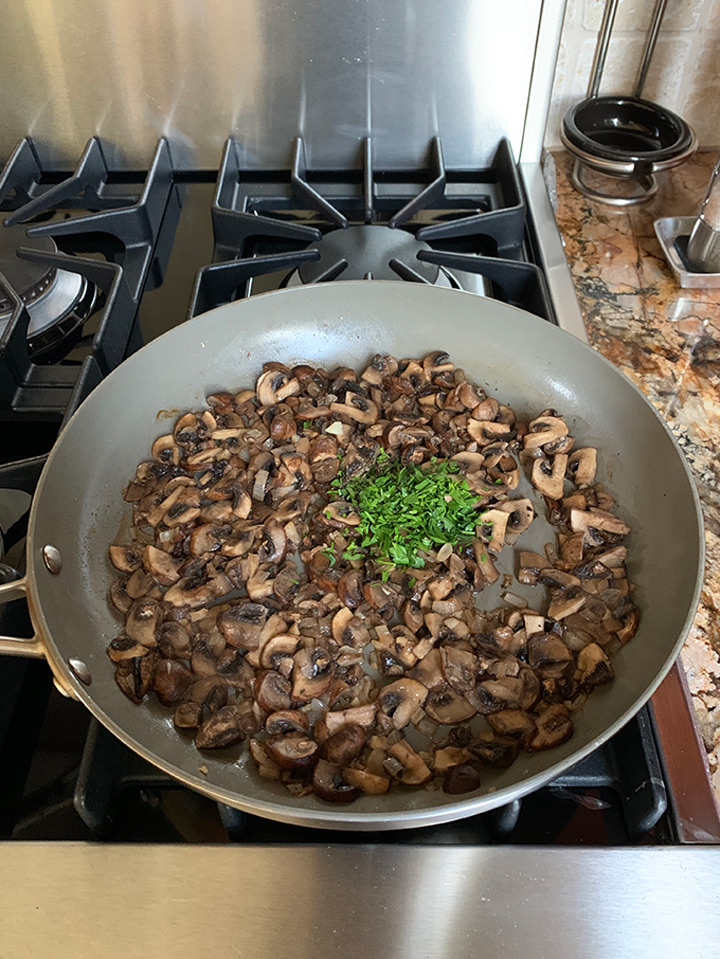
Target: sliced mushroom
{"x":272,"y":691}
{"x":582,"y":465}
{"x":171,"y":681}
{"x":312,"y":674}
{"x":222,"y":729}
{"x":554,"y":726}
{"x":277,"y":653}
{"x":287,"y":721}
{"x":210,"y":691}
{"x":400,"y":700}
{"x":126,"y":558}
{"x":548,"y":476}
{"x":357,"y":715}
{"x":134,"y":676}
{"x":492,"y":750}
{"x":123,"y":648}
{"x":188,"y":716}
{"x":329,"y":783}
{"x":242,"y":625}
{"x":544,"y":430}
{"x":357,"y":408}
{"x":597,"y":519}
{"x":273,"y":546}
{"x":593,"y":666}
{"x":515,"y":723}
{"x":294,"y":751}
{"x":368,"y":782}
{"x":345,"y":745}
{"x":143,"y":621}
{"x":463,"y":778}
{"x":445,"y":706}
{"x":411,"y":768}
{"x":459,"y":668}
{"x":161,"y":566}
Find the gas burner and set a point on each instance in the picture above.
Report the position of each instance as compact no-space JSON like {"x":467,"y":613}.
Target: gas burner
{"x":375,"y":252}
{"x":58,"y":301}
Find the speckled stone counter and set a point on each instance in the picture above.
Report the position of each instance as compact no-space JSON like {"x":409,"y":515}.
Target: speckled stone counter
{"x":667,"y":340}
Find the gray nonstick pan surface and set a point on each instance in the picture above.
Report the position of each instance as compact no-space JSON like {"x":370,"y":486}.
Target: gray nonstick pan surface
{"x":526,"y":362}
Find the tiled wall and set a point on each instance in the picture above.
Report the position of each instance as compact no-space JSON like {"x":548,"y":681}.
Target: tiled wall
{"x":685,"y":70}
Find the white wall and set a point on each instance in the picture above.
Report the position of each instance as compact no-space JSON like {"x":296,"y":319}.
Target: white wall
{"x":684,"y":74}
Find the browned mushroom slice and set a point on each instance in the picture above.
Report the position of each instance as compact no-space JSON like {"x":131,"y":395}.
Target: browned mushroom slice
{"x":134,"y":676}
{"x":543,"y":430}
{"x":161,"y":566}
{"x":484,"y":562}
{"x":629,"y":626}
{"x":242,"y":625}
{"x":210,"y":691}
{"x":287,"y":721}
{"x":139,"y":584}
{"x":123,"y":648}
{"x":357,"y":715}
{"x":273,"y":545}
{"x":461,"y":779}
{"x":312,"y":674}
{"x":510,"y":692}
{"x":429,"y":671}
{"x":447,"y":707}
{"x":380,"y":367}
{"x":171,"y":681}
{"x":119,"y":596}
{"x":294,"y":751}
{"x":459,"y":668}
{"x":581,"y":466}
{"x":350,"y":588}
{"x":357,"y":408}
{"x":277,"y":653}
{"x":498,"y":751}
{"x":272,"y":691}
{"x":366,"y":781}
{"x":597,"y":519}
{"x":554,"y":726}
{"x":222,"y":729}
{"x":339,"y":514}
{"x":383,"y":596}
{"x":548,"y":653}
{"x":565,"y":602}
{"x":400,"y":700}
{"x":408,"y":767}
{"x":188,"y":716}
{"x":270,"y":384}
{"x":548,"y":476}
{"x":143,"y":621}
{"x":126,"y":558}
{"x":329,"y":784}
{"x":593,"y":666}
{"x":449,"y":756}
{"x":345,"y":745}
{"x":515,"y":723}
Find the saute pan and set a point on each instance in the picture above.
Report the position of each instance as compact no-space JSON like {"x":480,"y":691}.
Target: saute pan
{"x":530,"y":364}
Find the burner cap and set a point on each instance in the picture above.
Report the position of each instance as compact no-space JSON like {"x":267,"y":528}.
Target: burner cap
{"x":368,"y":250}
{"x":28,"y":279}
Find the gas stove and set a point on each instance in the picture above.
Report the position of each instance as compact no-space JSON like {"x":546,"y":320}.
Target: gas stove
{"x":109,"y":260}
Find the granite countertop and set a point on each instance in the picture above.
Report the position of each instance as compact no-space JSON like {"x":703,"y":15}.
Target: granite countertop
{"x":667,"y":340}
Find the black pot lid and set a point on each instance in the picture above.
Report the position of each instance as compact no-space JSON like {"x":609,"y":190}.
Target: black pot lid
{"x":626,"y":129}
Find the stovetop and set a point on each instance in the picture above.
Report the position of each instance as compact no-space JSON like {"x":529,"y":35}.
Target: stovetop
{"x":157,"y":247}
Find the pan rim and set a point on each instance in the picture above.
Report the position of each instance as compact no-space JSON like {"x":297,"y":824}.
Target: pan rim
{"x":321,"y":818}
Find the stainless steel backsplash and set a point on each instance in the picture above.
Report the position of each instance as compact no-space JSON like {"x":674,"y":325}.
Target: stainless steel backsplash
{"x":333,"y":71}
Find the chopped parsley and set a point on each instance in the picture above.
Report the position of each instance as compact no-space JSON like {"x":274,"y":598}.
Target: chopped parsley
{"x":406,"y":509}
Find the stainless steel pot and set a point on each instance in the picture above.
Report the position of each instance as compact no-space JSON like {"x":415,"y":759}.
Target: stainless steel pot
{"x":78,"y":510}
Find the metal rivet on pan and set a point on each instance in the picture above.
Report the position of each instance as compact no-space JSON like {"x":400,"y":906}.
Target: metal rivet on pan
{"x":52,"y":559}
{"x":80,"y":670}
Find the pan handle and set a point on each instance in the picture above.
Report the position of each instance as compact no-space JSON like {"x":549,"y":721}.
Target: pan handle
{"x":12,"y":645}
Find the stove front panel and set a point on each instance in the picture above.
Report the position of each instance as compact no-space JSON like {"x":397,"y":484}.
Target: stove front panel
{"x":333,"y":72}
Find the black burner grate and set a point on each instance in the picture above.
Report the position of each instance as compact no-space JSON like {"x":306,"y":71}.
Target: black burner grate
{"x":474,"y":223}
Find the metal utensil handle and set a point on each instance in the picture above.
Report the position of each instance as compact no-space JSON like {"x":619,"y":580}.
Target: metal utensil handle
{"x":16,"y":645}
{"x":658,"y":14}
{"x":603,"y":42}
